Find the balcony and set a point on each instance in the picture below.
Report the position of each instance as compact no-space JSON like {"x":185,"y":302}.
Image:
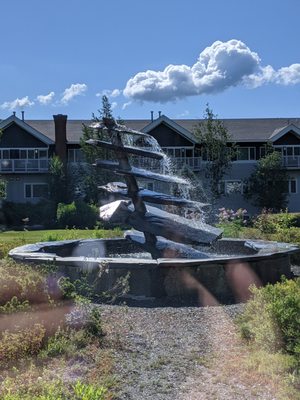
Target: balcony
{"x":194,"y":163}
{"x":292,"y":162}
{"x":23,"y":165}
{"x":176,"y":163}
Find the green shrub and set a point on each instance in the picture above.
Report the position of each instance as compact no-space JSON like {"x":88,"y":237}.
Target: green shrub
{"x":65,"y":342}
{"x":42,"y":213}
{"x":23,"y":283}
{"x":17,"y":345}
{"x":271,"y":318}
{"x":77,"y":214}
{"x":14,"y":305}
{"x":83,"y":391}
{"x":267,"y":222}
{"x":55,"y":390}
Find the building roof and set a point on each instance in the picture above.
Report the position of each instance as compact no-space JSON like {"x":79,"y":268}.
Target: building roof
{"x":241,"y":130}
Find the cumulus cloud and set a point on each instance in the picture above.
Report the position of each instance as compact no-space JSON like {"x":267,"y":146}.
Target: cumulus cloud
{"x":76,"y":89}
{"x":109,"y":93}
{"x":45,"y":99}
{"x":219,"y":66}
{"x":283,"y":76}
{"x":114,"y":104}
{"x":17,"y":103}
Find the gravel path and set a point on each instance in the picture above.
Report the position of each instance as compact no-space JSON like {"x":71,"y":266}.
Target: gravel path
{"x":176,"y":353}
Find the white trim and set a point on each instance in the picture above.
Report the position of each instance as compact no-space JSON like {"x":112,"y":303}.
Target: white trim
{"x":176,"y":127}
{"x":22,"y":124}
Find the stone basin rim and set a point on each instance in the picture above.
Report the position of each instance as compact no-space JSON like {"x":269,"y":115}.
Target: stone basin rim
{"x":265,"y":249}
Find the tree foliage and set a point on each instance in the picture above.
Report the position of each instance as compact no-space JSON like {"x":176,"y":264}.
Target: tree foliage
{"x":214,"y":138}
{"x":91,"y":153}
{"x":2,"y":188}
{"x":58,"y":181}
{"x":92,"y":177}
{"x":267,"y":186}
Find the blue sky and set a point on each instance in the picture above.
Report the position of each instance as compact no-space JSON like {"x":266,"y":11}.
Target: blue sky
{"x":243,"y":57}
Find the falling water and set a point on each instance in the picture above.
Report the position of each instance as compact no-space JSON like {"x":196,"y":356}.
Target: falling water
{"x":166,"y":167}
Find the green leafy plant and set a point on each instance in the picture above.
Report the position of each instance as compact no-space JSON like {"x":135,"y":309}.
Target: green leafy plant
{"x":214,"y":138}
{"x":17,"y":345}
{"x":271,"y":318}
{"x":14,"y":305}
{"x":83,"y":391}
{"x":76,"y":214}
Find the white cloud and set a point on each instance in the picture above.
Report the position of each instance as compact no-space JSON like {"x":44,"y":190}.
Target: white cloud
{"x":219,"y":66}
{"x":109,"y":93}
{"x":76,"y":89}
{"x":114,"y":105}
{"x":125,"y":105}
{"x":17,"y":103}
{"x":288,"y":75}
{"x":283,"y":76}
{"x":45,"y":99}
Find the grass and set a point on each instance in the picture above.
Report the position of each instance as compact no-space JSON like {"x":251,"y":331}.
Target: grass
{"x":11,"y":239}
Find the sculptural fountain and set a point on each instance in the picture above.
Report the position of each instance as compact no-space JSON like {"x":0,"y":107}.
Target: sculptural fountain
{"x":165,"y":245}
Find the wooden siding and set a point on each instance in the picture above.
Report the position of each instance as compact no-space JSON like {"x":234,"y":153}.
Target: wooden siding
{"x":167,"y":137}
{"x":15,"y":137}
{"x":288,"y":139}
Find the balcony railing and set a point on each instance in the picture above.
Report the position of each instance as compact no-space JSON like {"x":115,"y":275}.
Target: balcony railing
{"x":176,"y":163}
{"x":192,"y":162}
{"x":291,"y":161}
{"x":23,"y":165}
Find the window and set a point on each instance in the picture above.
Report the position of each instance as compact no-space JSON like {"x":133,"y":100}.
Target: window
{"x":75,"y":155}
{"x":246,"y":153}
{"x":179,"y":152}
{"x":291,"y":186}
{"x":23,"y":154}
{"x":36,"y":190}
{"x":231,"y":187}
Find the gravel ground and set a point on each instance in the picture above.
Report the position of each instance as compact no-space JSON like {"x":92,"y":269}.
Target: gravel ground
{"x":176,"y":353}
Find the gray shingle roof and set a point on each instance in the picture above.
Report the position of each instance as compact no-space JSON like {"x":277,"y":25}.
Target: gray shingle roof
{"x":241,"y":130}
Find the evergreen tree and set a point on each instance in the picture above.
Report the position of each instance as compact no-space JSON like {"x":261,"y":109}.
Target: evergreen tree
{"x":92,"y":176}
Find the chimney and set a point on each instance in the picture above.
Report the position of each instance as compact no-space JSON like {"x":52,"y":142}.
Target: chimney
{"x":159,"y":114}
{"x":151,"y":116}
{"x":22,"y":115}
{"x":60,"y":123}
{"x":14,"y":113}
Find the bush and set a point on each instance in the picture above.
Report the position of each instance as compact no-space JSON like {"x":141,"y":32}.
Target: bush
{"x":271,"y":319}
{"x":42,"y":213}
{"x":267,"y":222}
{"x":77,"y":214}
{"x":55,"y":390}
{"x":17,"y":345}
{"x":21,"y":286}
